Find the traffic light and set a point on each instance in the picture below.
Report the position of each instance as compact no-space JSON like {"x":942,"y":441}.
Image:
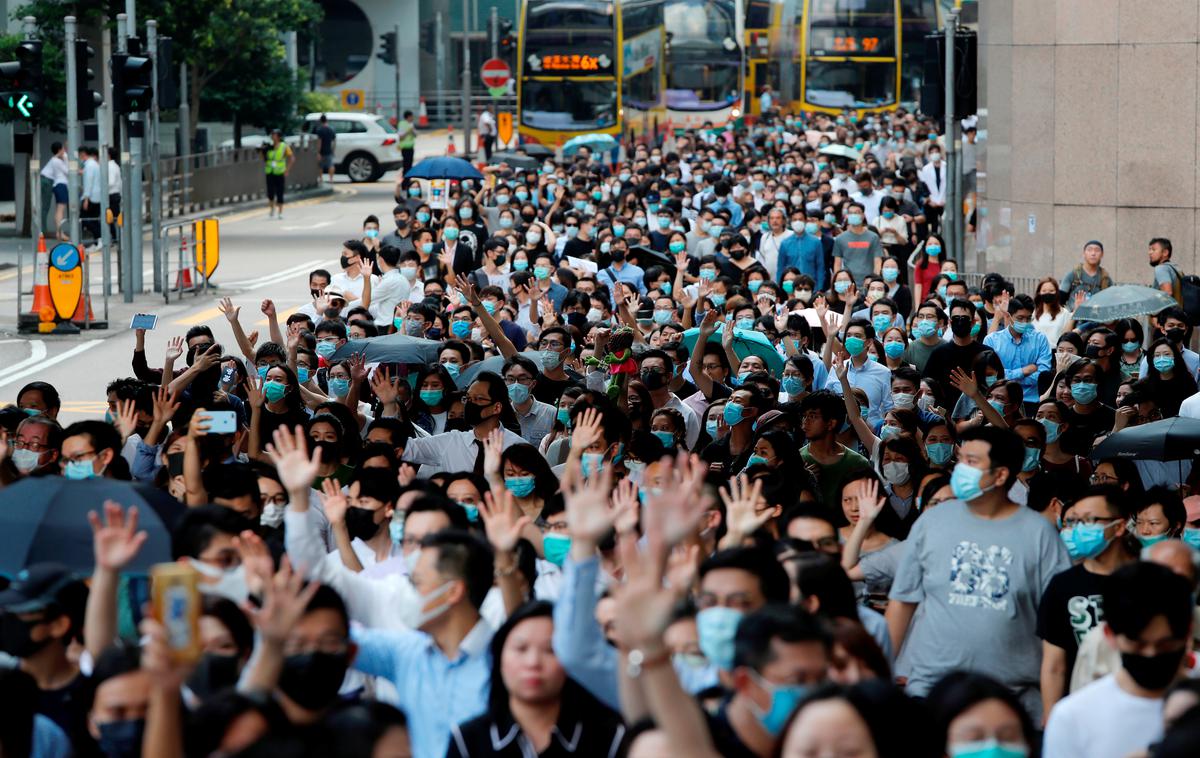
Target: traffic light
{"x":86,"y":98}
{"x":428,"y":41}
{"x":21,"y":81}
{"x":508,"y":43}
{"x":132,"y":83}
{"x":168,"y":90}
{"x":387,"y":48}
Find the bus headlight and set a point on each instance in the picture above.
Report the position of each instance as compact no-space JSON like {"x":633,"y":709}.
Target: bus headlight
{"x":736,"y":113}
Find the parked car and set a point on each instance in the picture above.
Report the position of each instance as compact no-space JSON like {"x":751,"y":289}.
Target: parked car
{"x":365,"y":146}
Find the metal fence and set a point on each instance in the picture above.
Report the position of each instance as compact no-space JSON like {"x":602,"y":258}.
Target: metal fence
{"x":195,"y":183}
{"x":445,"y":106}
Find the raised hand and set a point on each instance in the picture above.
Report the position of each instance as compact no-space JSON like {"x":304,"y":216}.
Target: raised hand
{"x":676,"y":511}
{"x":230,"y":310}
{"x":625,"y":506}
{"x":964,"y":383}
{"x":268,"y":308}
{"x":708,"y":324}
{"x":589,"y":519}
{"x":741,"y":503}
{"x":127,"y":418}
{"x":116,"y":540}
{"x":254,"y":393}
{"x":682,"y":567}
{"x":357,"y":364}
{"x":252,"y":338}
{"x":256,"y":557}
{"x":198,"y":425}
{"x":334,"y":502}
{"x":468,"y":289}
{"x":174,"y":349}
{"x":870,"y":504}
{"x":644,"y":604}
{"x":405,"y":474}
{"x":321,"y":304}
{"x":385,"y":387}
{"x":502,"y":520}
{"x":284,"y":599}
{"x":587,"y":430}
{"x":493,"y":448}
{"x":289,"y":452}
{"x":207,"y":359}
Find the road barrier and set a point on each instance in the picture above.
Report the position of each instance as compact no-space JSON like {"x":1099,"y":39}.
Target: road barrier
{"x":191,"y":253}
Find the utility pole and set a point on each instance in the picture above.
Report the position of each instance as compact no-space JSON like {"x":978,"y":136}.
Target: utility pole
{"x":494,"y":31}
{"x":35,"y":158}
{"x":396,"y":70}
{"x":951,"y":211}
{"x":73,"y":204}
{"x":466,"y":81}
{"x":104,"y":133}
{"x":155,"y":178}
{"x":137,"y":141}
{"x":439,"y":51}
{"x":125,"y":262}
{"x":185,"y":131}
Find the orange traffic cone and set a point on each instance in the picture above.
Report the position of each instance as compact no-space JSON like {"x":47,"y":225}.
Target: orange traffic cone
{"x":422,"y":116}
{"x":183,"y":281}
{"x":83,"y":312}
{"x":450,"y":148}
{"x":42,"y":304}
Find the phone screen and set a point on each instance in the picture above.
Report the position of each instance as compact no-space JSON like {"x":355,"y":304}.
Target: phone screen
{"x":145,"y":321}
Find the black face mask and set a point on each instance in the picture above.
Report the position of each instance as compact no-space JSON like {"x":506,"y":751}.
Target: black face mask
{"x":1153,"y":672}
{"x":473,"y":414}
{"x":360,"y":523}
{"x":330,"y":452}
{"x":528,"y":217}
{"x":737,"y":253}
{"x":312,"y":679}
{"x":501,"y":258}
{"x":456,"y":425}
{"x":960,"y":326}
{"x":617,"y":255}
{"x":1175,"y":335}
{"x":1092,"y":351}
{"x":653,"y":379}
{"x":213,"y":673}
{"x":15,"y":636}
{"x":200,"y":349}
{"x":122,"y":739}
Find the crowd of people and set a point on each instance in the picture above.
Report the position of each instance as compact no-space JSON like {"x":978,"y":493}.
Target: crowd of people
{"x":712,"y":451}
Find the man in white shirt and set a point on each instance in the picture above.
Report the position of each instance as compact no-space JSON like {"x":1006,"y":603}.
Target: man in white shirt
{"x":114,"y":190}
{"x":350,"y":279}
{"x":868,"y":197}
{"x":485,"y":403}
{"x":933,"y":176}
{"x":91,"y":192}
{"x":771,"y":240}
{"x":1148,"y":620}
{"x":392,"y":289}
{"x":656,"y":372}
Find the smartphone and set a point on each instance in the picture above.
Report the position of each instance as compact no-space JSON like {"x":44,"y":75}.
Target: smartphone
{"x":175,"y":603}
{"x":145,"y":321}
{"x":222,"y":422}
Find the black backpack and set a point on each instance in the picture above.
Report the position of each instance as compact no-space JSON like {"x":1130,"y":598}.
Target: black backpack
{"x":1187,"y":293}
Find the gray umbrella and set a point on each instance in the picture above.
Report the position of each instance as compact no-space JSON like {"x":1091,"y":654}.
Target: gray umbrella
{"x":391,"y":348}
{"x":1123,"y":301}
{"x":494,"y":364}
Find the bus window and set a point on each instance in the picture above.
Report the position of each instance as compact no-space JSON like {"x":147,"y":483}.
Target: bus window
{"x":852,"y":27}
{"x":580,"y":25}
{"x":845,"y":84}
{"x":568,"y":106}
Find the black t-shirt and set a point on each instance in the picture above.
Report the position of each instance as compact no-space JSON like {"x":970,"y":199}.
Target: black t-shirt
{"x":718,"y":451}
{"x":550,"y":390}
{"x":1072,"y":605}
{"x":68,"y":707}
{"x":724,"y":738}
{"x":946,"y":357}
{"x":1084,"y":429}
{"x":326,"y":135}
{"x":578,"y":248}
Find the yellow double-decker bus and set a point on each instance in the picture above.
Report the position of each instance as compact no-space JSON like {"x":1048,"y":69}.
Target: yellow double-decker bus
{"x":588,"y":66}
{"x":837,"y":55}
{"x":705,"y":64}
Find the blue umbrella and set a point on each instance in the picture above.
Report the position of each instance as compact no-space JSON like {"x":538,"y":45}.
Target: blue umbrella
{"x":596,"y":142}
{"x":444,"y":168}
{"x":45,"y":519}
{"x":746,"y":342}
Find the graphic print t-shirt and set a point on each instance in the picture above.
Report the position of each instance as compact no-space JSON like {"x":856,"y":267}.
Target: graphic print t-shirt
{"x":978,"y":583}
{"x":1071,"y":607}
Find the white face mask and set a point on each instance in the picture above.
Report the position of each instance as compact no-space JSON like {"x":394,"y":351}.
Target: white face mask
{"x":230,"y":583}
{"x":272,"y":515}
{"x":415,"y":616}
{"x":895,"y":473}
{"x":902,"y":399}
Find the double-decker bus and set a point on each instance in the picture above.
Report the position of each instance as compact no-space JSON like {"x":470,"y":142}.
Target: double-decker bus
{"x":588,"y":66}
{"x":836,"y":55}
{"x":704,"y":62}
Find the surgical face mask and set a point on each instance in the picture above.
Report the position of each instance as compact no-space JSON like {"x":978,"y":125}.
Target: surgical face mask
{"x":939,"y":452}
{"x":591,"y":463}
{"x":855,"y":346}
{"x":595,"y":314}
{"x":965,"y":482}
{"x":450,"y":233}
{"x":77,"y":470}
{"x":841,"y":286}
{"x":854,"y":219}
{"x":990,"y":748}
{"x":710,"y":426}
{"x":408,"y":272}
{"x":792,"y":384}
{"x":230,"y":583}
{"x":1022,"y":327}
{"x":745,"y":324}
{"x":734,"y":413}
{"x":784,"y":699}
{"x":1191,"y":537}
{"x":1164,"y":363}
{"x":891,"y":274}
{"x":924,"y":328}
{"x":717,"y":627}
{"x":302,"y":374}
{"x":431,"y":398}
{"x":520,"y":486}
{"x":895,"y":473}
{"x":708,"y":274}
{"x":324,"y":349}
{"x":414,"y":615}
{"x":1033,"y":457}
{"x":27,"y":460}
{"x":518,"y":393}
{"x":1083,"y":392}
{"x":556,"y":548}
{"x":1085,"y":540}
{"x":274,"y":391}
{"x":662,"y":316}
{"x":903,"y":399}
{"x":339,"y":387}
{"x":881,"y":322}
{"x":453,"y":368}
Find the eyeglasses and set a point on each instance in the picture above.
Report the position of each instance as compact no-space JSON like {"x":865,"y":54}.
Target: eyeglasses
{"x":1071,"y":521}
{"x":80,"y":457}
{"x":526,"y":380}
{"x":36,"y":447}
{"x":1102,"y":479}
{"x":556,"y":527}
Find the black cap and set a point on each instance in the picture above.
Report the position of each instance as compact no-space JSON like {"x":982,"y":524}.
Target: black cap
{"x":37,"y":587}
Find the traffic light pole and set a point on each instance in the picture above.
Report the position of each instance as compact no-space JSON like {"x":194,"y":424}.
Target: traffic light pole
{"x":466,"y":82}
{"x":126,"y":259}
{"x":155,"y":181}
{"x":73,"y":204}
{"x":951,"y":210}
{"x":133,"y":217}
{"x":35,"y":157}
{"x":104,"y":133}
{"x":396,"y":69}
{"x":185,"y":133}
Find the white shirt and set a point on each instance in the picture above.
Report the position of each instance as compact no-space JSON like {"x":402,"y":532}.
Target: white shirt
{"x":451,"y":451}
{"x":1102,"y":721}
{"x":870,"y":203}
{"x":351,"y":287}
{"x":92,"y":188}
{"x":937,"y":192}
{"x":55,"y":170}
{"x":393,"y":288}
{"x":768,"y":249}
{"x":1190,"y":407}
{"x":691,"y":420}
{"x":114,"y":178}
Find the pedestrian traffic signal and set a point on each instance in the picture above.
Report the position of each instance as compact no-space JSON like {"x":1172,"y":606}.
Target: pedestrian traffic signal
{"x":168,"y":90}
{"x":132,"y":83}
{"x":86,"y":98}
{"x":387,"y":48}
{"x":508,"y":43}
{"x":21,"y":81}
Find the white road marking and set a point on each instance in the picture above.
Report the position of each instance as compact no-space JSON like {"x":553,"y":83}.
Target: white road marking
{"x":274,"y":276}
{"x":305,"y":227}
{"x":43,"y":365}
{"x":37,"y":351}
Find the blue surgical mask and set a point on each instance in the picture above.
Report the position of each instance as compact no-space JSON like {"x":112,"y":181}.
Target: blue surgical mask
{"x":556,"y":547}
{"x":520,"y":486}
{"x":1164,"y":363}
{"x":1053,"y":430}
{"x":564,"y":417}
{"x":718,"y":300}
{"x":1084,"y":540}
{"x":745,"y":324}
{"x":452,"y":368}
{"x":841,"y":286}
{"x":592,"y":464}
{"x":710,"y":426}
{"x":855,"y":346}
{"x":939,"y":452}
{"x":1022,"y":327}
{"x":733,"y":413}
{"x":666,"y":438}
{"x":1131,"y":347}
{"x":893,"y":350}
{"x":518,"y":393}
{"x":881,"y":322}
{"x":324,"y":349}
{"x":756,"y":460}
{"x":1083,"y":392}
{"x":784,"y":699}
{"x":471,"y":510}
{"x":301,"y":374}
{"x":461,"y":329}
{"x":1033,"y":457}
{"x":716,"y":628}
{"x":990,"y":748}
{"x":396,"y":531}
{"x":924,"y":328}
{"x":262,"y":370}
{"x":891,"y":274}
{"x":1191,"y":537}
{"x":77,"y":470}
{"x":432,"y":398}
{"x":339,"y":387}
{"x":792,"y":384}
{"x":1152,"y":540}
{"x":965,"y":482}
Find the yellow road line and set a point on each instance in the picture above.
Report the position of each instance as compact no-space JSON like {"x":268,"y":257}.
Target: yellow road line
{"x":199,"y":318}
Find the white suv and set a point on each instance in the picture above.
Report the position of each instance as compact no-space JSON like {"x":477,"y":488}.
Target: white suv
{"x":365,"y":146}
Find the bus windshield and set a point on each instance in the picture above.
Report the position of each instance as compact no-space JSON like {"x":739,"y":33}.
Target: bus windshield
{"x":846,"y":84}
{"x":575,"y":106}
{"x":579,"y":25}
{"x":704,"y":53}
{"x":852,"y":27}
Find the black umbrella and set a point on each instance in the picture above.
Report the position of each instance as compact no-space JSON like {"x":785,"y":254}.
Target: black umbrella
{"x":514,"y":159}
{"x":1171,"y":439}
{"x":494,"y":364}
{"x":391,"y":348}
{"x":45,"y":519}
{"x":644,"y":257}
